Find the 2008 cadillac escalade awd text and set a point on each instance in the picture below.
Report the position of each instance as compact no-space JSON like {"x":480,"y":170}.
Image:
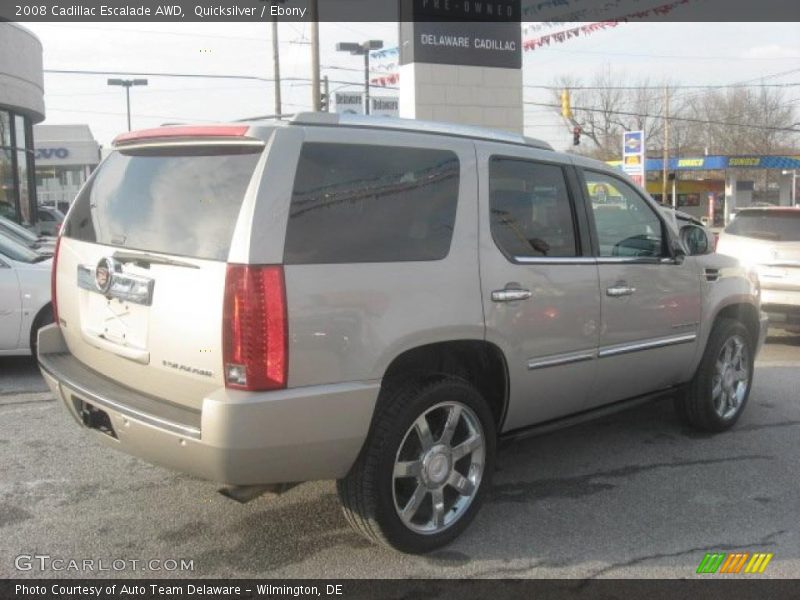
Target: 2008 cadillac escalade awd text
{"x":378,"y":301}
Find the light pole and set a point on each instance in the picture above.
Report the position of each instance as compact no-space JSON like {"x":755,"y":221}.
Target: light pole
{"x":127,"y":83}
{"x":358,"y":50}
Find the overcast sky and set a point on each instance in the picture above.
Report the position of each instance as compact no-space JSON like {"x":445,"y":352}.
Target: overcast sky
{"x":687,"y":53}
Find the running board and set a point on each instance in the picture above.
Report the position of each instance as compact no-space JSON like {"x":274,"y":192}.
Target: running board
{"x":587,"y":415}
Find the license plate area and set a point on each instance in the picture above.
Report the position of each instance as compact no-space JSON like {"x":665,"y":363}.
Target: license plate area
{"x":93,"y":417}
{"x":116,"y":321}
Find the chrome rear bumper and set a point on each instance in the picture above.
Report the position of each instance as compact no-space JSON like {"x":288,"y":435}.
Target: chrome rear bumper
{"x":237,"y":438}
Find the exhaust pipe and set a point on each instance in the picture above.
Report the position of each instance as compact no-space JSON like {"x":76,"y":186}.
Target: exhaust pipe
{"x":245,"y":493}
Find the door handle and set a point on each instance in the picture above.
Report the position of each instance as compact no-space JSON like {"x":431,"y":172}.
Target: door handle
{"x":510,"y":295}
{"x":619,"y":290}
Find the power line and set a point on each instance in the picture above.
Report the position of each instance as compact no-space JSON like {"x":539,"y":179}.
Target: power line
{"x":672,"y":87}
{"x":672,"y":56}
{"x":138,"y":115}
{"x":671,"y":118}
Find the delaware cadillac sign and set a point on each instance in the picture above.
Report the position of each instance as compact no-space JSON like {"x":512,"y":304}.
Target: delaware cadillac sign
{"x":481,"y":33}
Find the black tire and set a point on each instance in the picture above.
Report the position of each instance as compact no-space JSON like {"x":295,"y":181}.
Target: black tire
{"x":45,"y":317}
{"x":696,"y":407}
{"x":368,"y":491}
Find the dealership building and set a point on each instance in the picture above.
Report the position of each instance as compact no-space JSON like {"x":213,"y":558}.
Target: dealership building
{"x":21,"y":106}
{"x":65,"y":157}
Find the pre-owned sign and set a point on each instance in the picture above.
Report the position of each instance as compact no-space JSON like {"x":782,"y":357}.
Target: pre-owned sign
{"x":483,"y":33}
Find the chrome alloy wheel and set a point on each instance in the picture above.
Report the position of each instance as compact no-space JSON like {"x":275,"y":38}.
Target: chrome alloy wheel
{"x":438,"y":467}
{"x":731,"y":377}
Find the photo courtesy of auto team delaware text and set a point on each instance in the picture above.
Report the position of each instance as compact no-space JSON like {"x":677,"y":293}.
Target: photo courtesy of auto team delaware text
{"x":297,"y":296}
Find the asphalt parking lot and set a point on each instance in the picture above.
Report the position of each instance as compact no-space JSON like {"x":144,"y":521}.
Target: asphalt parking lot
{"x":633,"y":495}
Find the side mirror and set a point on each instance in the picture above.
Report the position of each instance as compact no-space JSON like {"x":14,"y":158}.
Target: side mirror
{"x":696,"y":240}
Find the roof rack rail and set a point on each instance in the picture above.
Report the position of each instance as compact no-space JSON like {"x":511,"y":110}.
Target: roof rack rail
{"x":452,"y":129}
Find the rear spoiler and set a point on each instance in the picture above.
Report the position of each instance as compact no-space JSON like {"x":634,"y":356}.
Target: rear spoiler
{"x":184,"y":131}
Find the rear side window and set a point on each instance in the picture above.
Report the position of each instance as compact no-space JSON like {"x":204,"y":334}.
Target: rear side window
{"x":182,"y":200}
{"x":773,"y":225}
{"x":531,"y":215}
{"x":357,"y":203}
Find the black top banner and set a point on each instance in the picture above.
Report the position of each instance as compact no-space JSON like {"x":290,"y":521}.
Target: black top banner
{"x":390,"y":10}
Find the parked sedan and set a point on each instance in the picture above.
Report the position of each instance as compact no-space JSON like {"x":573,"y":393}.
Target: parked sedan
{"x":768,"y":239}
{"x":24,"y":297}
{"x":50,"y":220}
{"x":26,"y":237}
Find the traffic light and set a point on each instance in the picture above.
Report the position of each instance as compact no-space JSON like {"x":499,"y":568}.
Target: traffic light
{"x":576,"y":136}
{"x":566,"y":108}
{"x":325,"y":96}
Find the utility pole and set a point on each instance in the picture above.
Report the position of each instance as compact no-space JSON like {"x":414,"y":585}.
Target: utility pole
{"x":326,"y":94}
{"x":276,"y":66}
{"x":315,"y":74}
{"x":665,"y":158}
{"x":366,"y":83}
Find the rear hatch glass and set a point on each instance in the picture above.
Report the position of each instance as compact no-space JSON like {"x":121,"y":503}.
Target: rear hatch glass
{"x":774,"y":226}
{"x":182,"y":201}
{"x":148,"y":321}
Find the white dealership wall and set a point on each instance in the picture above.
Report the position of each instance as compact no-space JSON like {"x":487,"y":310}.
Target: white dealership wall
{"x":21,"y":77}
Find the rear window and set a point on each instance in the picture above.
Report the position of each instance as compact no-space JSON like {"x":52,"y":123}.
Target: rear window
{"x":182,"y":201}
{"x":356,"y":203}
{"x":776,"y":226}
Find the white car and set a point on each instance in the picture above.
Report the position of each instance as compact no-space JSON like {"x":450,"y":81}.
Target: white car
{"x":768,"y":240}
{"x":24,"y":297}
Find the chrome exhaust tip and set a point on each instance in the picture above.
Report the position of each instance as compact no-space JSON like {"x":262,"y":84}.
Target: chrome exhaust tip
{"x":246,"y":493}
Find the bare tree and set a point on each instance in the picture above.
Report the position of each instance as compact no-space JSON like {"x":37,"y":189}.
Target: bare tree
{"x":744,"y":120}
{"x":737,"y":120}
{"x":609,"y":105}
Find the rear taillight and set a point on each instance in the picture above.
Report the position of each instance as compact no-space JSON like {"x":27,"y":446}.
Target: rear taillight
{"x":53,"y":275}
{"x":254,"y":328}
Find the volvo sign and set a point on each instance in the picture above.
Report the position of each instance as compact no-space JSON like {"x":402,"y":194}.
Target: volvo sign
{"x":50,"y":153}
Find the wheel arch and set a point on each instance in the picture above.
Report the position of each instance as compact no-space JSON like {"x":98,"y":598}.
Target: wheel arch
{"x":479,"y":362}
{"x":744,"y":312}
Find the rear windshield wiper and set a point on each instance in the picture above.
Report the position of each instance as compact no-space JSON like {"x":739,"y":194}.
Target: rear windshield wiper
{"x":145,"y":260}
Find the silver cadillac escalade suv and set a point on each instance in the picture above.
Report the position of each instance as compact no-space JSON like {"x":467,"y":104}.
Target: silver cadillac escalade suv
{"x":379,"y":302}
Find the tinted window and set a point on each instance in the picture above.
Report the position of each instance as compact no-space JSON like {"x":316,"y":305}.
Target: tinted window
{"x":530,"y":209}
{"x":364,"y":203}
{"x":181,"y":201}
{"x":13,"y":249}
{"x":626,"y":224}
{"x":777,"y":225}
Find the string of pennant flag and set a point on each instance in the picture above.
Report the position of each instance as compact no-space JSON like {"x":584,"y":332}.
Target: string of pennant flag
{"x":571,"y":28}
{"x":590,"y":28}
